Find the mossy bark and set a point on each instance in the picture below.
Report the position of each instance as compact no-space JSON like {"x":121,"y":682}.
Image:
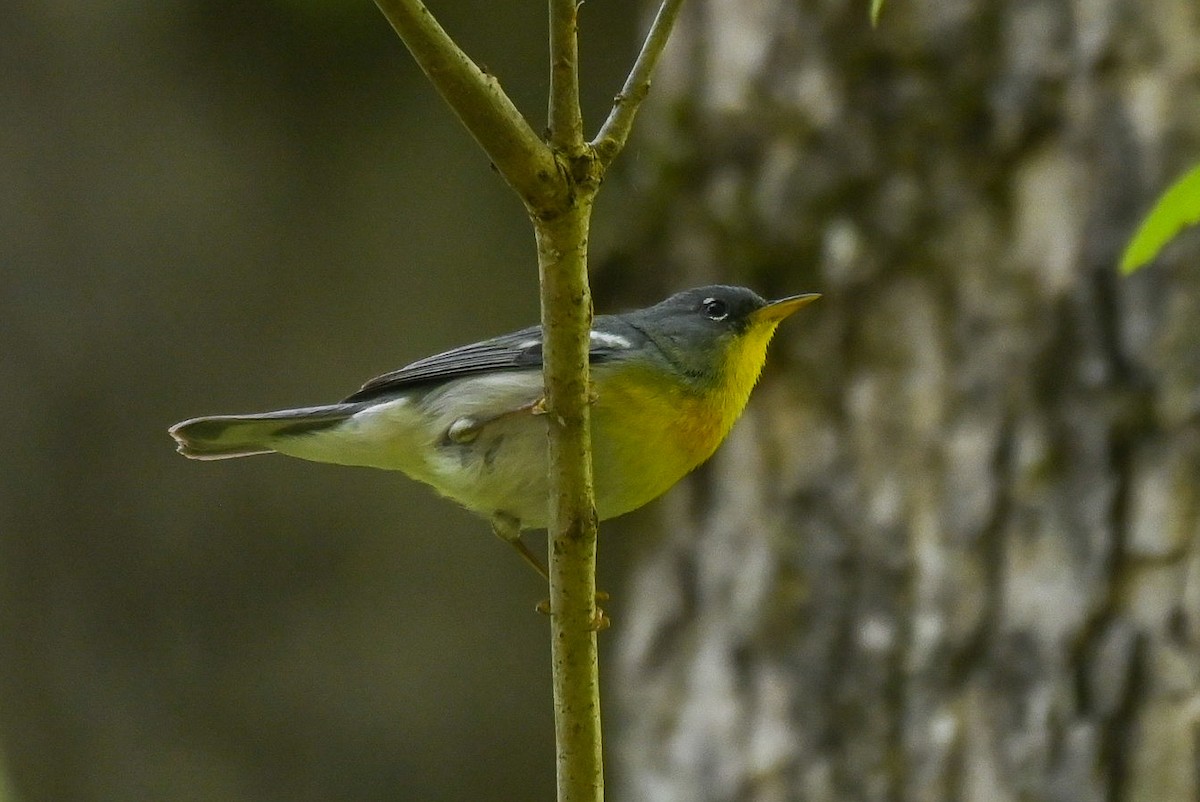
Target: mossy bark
{"x":953,"y":550}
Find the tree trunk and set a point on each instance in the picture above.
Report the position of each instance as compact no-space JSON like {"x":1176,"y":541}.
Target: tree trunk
{"x":952,"y":552}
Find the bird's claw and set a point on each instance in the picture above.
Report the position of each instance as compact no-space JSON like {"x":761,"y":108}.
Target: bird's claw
{"x":600,"y":620}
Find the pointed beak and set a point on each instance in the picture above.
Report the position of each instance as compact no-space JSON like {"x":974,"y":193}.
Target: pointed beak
{"x":776,"y":311}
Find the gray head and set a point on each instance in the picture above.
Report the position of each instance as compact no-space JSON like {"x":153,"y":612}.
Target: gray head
{"x":703,"y":329}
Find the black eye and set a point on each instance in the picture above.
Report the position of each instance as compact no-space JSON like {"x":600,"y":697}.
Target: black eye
{"x":715,"y":308}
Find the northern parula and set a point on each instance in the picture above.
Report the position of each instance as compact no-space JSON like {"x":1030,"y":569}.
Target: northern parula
{"x":668,"y":382}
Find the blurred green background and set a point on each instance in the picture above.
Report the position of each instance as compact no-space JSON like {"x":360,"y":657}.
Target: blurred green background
{"x":214,"y":206}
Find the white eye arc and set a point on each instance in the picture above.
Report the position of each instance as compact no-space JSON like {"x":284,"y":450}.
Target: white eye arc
{"x":715,"y":308}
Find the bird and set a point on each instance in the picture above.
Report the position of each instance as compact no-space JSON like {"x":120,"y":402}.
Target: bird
{"x":667,"y":384}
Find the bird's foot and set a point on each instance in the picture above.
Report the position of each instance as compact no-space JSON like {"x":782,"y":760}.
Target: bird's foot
{"x":508,"y":529}
{"x":600,"y":620}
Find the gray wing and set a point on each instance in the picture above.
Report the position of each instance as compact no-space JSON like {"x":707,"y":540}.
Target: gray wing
{"x":521,"y":350}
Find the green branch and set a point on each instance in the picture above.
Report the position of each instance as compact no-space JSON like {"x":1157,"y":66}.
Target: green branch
{"x":566,"y":316}
{"x":566,"y":120}
{"x":612,"y":135}
{"x":476,"y":97}
{"x":566,"y":325}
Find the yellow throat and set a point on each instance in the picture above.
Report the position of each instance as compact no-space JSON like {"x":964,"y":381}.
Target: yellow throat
{"x":710,"y":415}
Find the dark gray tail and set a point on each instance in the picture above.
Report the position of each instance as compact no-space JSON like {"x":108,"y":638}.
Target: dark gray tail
{"x":228,"y":436}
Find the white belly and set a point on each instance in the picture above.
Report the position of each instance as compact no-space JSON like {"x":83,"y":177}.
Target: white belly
{"x":501,"y":469}
{"x":479,"y":441}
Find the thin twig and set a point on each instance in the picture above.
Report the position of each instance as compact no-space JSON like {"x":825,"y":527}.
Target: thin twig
{"x":566,"y":120}
{"x":476,"y":97}
{"x":611,"y":138}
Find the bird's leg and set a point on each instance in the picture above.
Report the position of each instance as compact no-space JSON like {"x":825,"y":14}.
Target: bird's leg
{"x":465,"y":429}
{"x":508,"y":529}
{"x":600,"y":621}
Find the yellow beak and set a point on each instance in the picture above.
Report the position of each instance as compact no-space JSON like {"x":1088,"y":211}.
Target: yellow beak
{"x":776,"y":311}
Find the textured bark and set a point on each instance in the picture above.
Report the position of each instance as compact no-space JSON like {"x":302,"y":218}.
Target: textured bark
{"x":953,"y":550}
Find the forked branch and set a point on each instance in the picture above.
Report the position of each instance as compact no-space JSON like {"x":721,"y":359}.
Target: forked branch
{"x":558,"y":181}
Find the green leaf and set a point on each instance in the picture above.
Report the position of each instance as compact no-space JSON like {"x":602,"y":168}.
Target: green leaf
{"x":1176,"y":209}
{"x":876,"y":7}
